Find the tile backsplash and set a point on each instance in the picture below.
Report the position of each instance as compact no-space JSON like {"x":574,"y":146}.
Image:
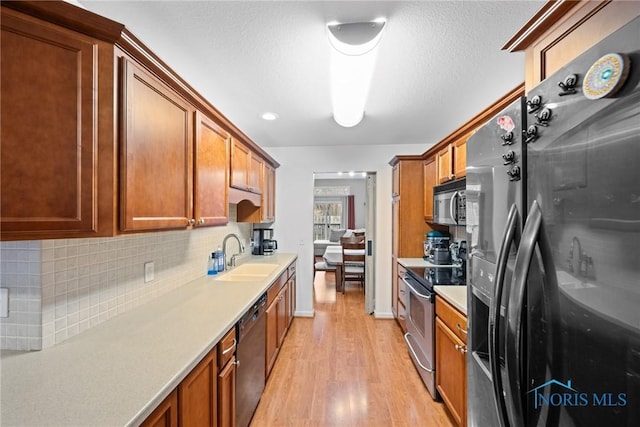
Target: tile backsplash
{"x":59,"y":288}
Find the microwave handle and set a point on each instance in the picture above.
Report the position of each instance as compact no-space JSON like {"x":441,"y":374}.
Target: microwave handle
{"x":451,"y":203}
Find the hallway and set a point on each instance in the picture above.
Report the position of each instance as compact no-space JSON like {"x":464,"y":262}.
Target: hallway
{"x":345,"y":368}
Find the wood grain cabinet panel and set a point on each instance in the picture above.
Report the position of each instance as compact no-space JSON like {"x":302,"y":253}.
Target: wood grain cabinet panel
{"x":211,"y":173}
{"x":166,"y":414}
{"x":198,"y":394}
{"x":429,"y":175}
{"x":451,"y":351}
{"x":57,"y":140}
{"x":227,"y":395}
{"x":460,"y":157}
{"x":156,"y":153}
{"x":240,"y":165}
{"x":445,"y":164}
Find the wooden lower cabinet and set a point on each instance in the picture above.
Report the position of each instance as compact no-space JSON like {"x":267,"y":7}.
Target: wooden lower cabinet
{"x":399,"y":293}
{"x":451,"y":349}
{"x":198,"y":394}
{"x":227,"y":379}
{"x":281,"y":301}
{"x":166,"y":414}
{"x":227,"y":395}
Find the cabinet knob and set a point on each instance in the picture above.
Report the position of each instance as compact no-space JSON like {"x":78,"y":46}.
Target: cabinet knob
{"x":201,"y":221}
{"x":191,"y":221}
{"x":461,"y":348}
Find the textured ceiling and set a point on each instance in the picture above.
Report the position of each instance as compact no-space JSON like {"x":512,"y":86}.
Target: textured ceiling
{"x":439,"y":63}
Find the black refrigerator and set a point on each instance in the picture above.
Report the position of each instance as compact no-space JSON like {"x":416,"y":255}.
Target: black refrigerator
{"x":553,"y":229}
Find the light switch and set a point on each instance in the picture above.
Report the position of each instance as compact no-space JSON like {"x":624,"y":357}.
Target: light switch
{"x":148,"y":271}
{"x":4,"y":302}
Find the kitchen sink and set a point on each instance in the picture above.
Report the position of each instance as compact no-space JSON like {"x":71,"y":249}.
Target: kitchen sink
{"x":250,"y":272}
{"x":229,"y":277}
{"x":568,"y":281}
{"x":254,"y":269}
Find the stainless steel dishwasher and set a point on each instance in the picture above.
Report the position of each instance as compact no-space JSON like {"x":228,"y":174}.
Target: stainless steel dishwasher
{"x":251,"y":354}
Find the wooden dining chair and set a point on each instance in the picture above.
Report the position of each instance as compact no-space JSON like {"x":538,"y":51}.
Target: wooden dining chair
{"x":353,"y":256}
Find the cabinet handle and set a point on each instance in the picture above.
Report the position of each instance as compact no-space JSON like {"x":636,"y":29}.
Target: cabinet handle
{"x":230,"y":348}
{"x":237,"y":363}
{"x":191,"y":222}
{"x":201,"y":221}
{"x":462,"y":331}
{"x":461,"y":348}
{"x":452,"y":176}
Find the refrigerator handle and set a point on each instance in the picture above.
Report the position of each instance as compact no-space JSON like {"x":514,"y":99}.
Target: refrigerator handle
{"x":452,"y":201}
{"x":510,"y":235}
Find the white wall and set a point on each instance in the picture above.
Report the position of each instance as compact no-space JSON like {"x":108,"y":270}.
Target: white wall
{"x":294,"y":208}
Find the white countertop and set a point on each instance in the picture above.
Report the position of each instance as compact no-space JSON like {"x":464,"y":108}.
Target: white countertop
{"x":420,"y":262}
{"x":454,"y":295}
{"x":116,"y":373}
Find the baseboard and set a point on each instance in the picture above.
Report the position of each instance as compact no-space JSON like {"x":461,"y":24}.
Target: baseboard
{"x":304,"y":313}
{"x":383,"y":315}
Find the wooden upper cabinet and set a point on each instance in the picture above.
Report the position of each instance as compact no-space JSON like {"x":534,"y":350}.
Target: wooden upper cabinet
{"x":211,"y":173}
{"x":452,"y":161}
{"x":430,"y":178}
{"x":156,"y":153}
{"x":246,"y":168}
{"x":562,"y":30}
{"x":269,"y":194}
{"x":57,"y":139}
{"x":445,"y":164}
{"x":460,"y":158}
{"x":256,"y":178}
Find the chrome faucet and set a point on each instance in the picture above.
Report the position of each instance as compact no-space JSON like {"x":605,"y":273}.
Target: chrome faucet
{"x":584,"y":261}
{"x":232,"y":261}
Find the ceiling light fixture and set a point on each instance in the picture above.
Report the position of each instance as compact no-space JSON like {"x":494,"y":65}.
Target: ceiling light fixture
{"x":269,"y":116}
{"x":353,"y":57}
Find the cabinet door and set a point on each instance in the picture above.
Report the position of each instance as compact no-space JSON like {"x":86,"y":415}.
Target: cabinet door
{"x":269,"y":194}
{"x":460,"y":158}
{"x":240,"y":164}
{"x":227,"y":395}
{"x":445,"y":164}
{"x":395,"y":180}
{"x":156,"y":154}
{"x":292,"y":300}
{"x":211,"y":182}
{"x":256,"y":174}
{"x":56,"y":157}
{"x":429,"y":174}
{"x":283,"y":304}
{"x":395,"y":279}
{"x":198,"y":395}
{"x":272,"y":336}
{"x":166,"y":414}
{"x":451,"y":373}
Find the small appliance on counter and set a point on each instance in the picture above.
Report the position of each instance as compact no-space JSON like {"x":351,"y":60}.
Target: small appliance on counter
{"x":263,"y":242}
{"x":436,"y":239}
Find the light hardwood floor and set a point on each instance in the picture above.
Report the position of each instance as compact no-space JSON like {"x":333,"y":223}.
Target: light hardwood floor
{"x":345,"y":368}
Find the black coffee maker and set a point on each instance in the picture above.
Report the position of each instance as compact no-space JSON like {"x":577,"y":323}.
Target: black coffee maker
{"x":263,"y":242}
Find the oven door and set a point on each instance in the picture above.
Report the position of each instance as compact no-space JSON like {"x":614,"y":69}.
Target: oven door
{"x":420,"y":336}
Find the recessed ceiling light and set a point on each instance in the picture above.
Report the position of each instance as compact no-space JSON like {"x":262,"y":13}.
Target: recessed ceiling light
{"x":269,"y":116}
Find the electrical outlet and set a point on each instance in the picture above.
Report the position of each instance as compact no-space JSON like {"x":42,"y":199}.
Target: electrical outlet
{"x":4,"y":302}
{"x":148,"y":271}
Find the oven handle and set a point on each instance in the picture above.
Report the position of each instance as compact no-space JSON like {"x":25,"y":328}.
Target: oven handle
{"x":426,"y":297}
{"x":415,"y":356}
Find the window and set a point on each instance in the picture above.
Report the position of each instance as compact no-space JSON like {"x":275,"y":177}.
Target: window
{"x":329,"y":213}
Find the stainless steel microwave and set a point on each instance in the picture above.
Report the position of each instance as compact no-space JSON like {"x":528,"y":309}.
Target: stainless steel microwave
{"x":450,"y":203}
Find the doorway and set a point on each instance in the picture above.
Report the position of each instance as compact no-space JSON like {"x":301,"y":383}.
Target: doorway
{"x":344,"y":201}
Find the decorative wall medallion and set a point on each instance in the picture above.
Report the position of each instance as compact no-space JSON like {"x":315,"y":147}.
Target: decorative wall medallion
{"x":606,"y":76}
